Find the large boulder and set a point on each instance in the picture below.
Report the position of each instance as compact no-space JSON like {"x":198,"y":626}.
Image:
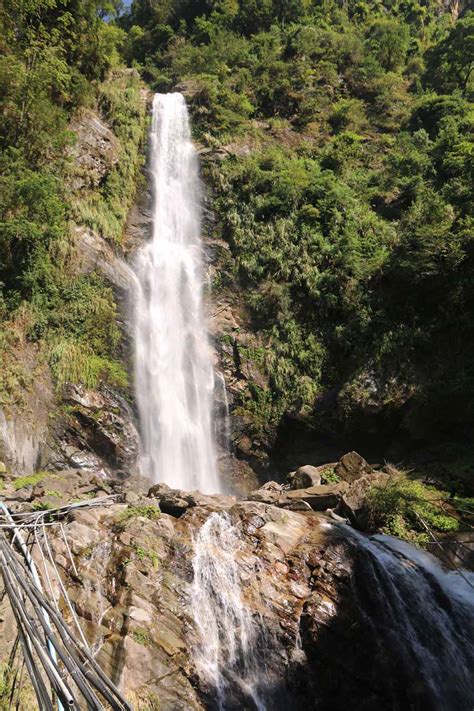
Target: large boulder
{"x":172,"y":501}
{"x":352,"y":466}
{"x":320,"y":498}
{"x":353,"y":504}
{"x":305,"y":476}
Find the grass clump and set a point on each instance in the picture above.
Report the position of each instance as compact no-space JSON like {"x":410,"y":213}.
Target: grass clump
{"x":141,"y":636}
{"x":72,"y":361}
{"x":145,"y":554}
{"x":402,"y":506}
{"x":41,"y":506}
{"x":150,"y":512}
{"x":30,"y":480}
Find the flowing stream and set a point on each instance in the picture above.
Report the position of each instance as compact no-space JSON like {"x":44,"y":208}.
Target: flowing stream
{"x":424,"y":617}
{"x":173,"y":370}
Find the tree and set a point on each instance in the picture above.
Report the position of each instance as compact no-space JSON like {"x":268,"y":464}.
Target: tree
{"x":451,"y":62}
{"x":388,"y":39}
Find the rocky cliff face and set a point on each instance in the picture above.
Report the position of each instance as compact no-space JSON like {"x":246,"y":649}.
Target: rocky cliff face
{"x":326,"y":620}
{"x":50,"y":428}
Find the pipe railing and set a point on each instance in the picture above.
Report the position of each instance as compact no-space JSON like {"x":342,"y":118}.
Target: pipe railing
{"x":61,"y":667}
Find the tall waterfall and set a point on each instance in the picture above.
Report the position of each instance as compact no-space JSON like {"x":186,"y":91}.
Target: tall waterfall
{"x":173,"y":369}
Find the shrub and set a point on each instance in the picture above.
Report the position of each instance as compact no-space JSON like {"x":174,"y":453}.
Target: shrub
{"x":401,"y":506}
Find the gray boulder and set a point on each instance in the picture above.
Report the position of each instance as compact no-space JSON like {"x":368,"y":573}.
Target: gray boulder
{"x":305,"y":476}
{"x":320,"y":498}
{"x":352,"y":466}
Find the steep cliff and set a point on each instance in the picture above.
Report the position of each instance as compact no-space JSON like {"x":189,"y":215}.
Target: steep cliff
{"x":66,"y":397}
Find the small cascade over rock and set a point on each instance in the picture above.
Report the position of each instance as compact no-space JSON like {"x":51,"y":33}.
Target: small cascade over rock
{"x":173,"y":369}
{"x":228,"y":657}
{"x":95,"y":586}
{"x":400,"y":627}
{"x":426,"y":620}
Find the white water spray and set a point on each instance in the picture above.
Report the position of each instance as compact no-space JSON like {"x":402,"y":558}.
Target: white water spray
{"x":227,"y":657}
{"x":173,"y":370}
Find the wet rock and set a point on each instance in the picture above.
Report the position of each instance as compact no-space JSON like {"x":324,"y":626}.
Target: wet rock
{"x":303,"y":578}
{"x":172,"y":501}
{"x":99,"y":432}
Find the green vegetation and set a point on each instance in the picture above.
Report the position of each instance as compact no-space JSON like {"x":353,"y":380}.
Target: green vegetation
{"x":344,"y":190}
{"x":404,"y":507}
{"x":6,"y":675}
{"x":329,"y":476}
{"x":105,"y":210}
{"x":141,"y":636}
{"x":146,"y":554}
{"x":151,"y":512}
{"x":41,"y":506}
{"x":23,"y":482}
{"x":59,"y":60}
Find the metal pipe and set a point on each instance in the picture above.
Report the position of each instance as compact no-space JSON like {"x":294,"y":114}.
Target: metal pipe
{"x":18,"y":538}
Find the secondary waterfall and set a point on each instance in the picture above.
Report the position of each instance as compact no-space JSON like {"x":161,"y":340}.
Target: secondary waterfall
{"x":424,"y":618}
{"x":227,"y":657}
{"x":173,"y":370}
{"x":417,"y":617}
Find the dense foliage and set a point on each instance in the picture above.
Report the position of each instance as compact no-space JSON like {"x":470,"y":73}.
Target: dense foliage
{"x":338,"y":144}
{"x":343,"y":181}
{"x":57,"y":58}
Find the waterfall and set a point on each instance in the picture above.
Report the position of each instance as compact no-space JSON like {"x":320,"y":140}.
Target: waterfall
{"x":173,"y":370}
{"x":228,"y":658}
{"x":423,"y":617}
{"x":417,"y":617}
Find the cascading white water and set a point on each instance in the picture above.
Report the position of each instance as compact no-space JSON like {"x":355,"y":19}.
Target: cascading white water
{"x":424,"y":616}
{"x":227,"y":657}
{"x":173,"y":370}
